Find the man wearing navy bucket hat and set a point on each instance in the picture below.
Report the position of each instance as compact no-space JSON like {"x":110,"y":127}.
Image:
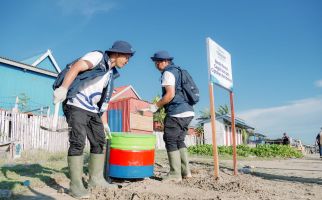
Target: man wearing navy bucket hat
{"x":179,"y":114}
{"x":85,"y":87}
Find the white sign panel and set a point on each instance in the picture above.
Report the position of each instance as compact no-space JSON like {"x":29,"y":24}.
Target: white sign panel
{"x":219,"y":63}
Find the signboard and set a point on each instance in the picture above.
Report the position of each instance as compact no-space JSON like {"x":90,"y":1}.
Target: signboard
{"x":219,"y":64}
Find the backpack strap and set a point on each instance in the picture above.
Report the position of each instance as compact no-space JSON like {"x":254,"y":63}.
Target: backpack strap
{"x":178,"y":87}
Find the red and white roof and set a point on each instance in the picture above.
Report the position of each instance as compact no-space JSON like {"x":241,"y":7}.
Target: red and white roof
{"x":124,"y":92}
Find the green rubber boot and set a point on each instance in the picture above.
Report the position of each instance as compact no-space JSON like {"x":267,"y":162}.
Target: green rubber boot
{"x":95,"y":168}
{"x":175,"y":167}
{"x":185,"y":169}
{"x":76,"y":187}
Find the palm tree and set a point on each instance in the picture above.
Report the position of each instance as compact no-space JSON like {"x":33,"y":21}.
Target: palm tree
{"x":205,"y":114}
{"x":223,"y":110}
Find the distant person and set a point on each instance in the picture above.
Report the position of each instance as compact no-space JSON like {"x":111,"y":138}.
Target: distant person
{"x":319,"y":142}
{"x":285,"y":139}
{"x":85,"y":87}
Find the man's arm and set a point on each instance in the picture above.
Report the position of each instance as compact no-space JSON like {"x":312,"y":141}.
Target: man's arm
{"x":61,"y":92}
{"x":76,"y":68}
{"x":169,"y":94}
{"x":104,"y":117}
{"x":107,"y":129}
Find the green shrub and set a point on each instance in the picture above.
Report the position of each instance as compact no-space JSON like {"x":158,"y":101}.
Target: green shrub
{"x":225,"y":150}
{"x":205,"y":150}
{"x":264,"y":150}
{"x":275,"y":150}
{"x":243,"y":150}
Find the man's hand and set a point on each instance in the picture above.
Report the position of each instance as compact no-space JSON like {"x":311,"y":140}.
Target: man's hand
{"x":60,"y":94}
{"x":153,"y":108}
{"x":107,"y":131}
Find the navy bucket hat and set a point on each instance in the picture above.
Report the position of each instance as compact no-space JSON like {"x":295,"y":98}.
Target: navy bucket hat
{"x":122,"y":47}
{"x":161,"y":55}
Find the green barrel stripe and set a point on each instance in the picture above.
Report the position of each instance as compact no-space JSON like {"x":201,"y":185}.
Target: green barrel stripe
{"x":131,"y":141}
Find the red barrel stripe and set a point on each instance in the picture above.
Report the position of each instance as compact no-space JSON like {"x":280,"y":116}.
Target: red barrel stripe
{"x":131,"y":157}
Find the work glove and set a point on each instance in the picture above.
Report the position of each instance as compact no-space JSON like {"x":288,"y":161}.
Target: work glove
{"x":153,"y":108}
{"x":107,"y":131}
{"x":60,"y":94}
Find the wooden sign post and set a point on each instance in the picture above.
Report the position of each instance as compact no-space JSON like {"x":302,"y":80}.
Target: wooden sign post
{"x":213,"y":128}
{"x":220,"y":73}
{"x":233,"y":132}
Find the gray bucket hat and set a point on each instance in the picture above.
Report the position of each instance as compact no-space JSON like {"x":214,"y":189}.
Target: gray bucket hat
{"x":122,"y":47}
{"x":161,"y":55}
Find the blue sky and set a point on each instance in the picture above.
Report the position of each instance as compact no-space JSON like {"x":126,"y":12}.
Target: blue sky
{"x":276,"y":49}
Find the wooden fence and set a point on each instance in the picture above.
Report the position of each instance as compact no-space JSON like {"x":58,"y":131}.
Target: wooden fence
{"x":25,"y":130}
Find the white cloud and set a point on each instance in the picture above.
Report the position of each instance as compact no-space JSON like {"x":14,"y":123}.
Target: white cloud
{"x":301,"y":119}
{"x":318,"y":83}
{"x":85,"y":7}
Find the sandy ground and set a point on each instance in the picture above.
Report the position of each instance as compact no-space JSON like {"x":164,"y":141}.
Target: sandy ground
{"x":270,"y":179}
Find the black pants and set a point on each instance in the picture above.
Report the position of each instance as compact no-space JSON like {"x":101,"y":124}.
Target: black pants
{"x":175,"y":131}
{"x":84,"y":123}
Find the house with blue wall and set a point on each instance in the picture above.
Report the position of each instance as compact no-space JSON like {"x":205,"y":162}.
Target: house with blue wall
{"x":28,"y":83}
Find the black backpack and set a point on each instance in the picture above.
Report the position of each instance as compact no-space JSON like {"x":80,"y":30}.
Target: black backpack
{"x":189,"y":88}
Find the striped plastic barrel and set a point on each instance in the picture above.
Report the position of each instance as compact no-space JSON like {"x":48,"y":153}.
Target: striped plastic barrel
{"x":131,"y":155}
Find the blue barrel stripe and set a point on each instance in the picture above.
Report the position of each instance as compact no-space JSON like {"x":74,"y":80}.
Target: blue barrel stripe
{"x":118,"y":171}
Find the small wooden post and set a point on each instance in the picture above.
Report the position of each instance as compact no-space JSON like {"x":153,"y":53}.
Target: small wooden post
{"x":233,"y":131}
{"x":213,"y":127}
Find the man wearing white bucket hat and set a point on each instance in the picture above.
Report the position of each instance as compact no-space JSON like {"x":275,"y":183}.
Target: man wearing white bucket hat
{"x":85,"y":87}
